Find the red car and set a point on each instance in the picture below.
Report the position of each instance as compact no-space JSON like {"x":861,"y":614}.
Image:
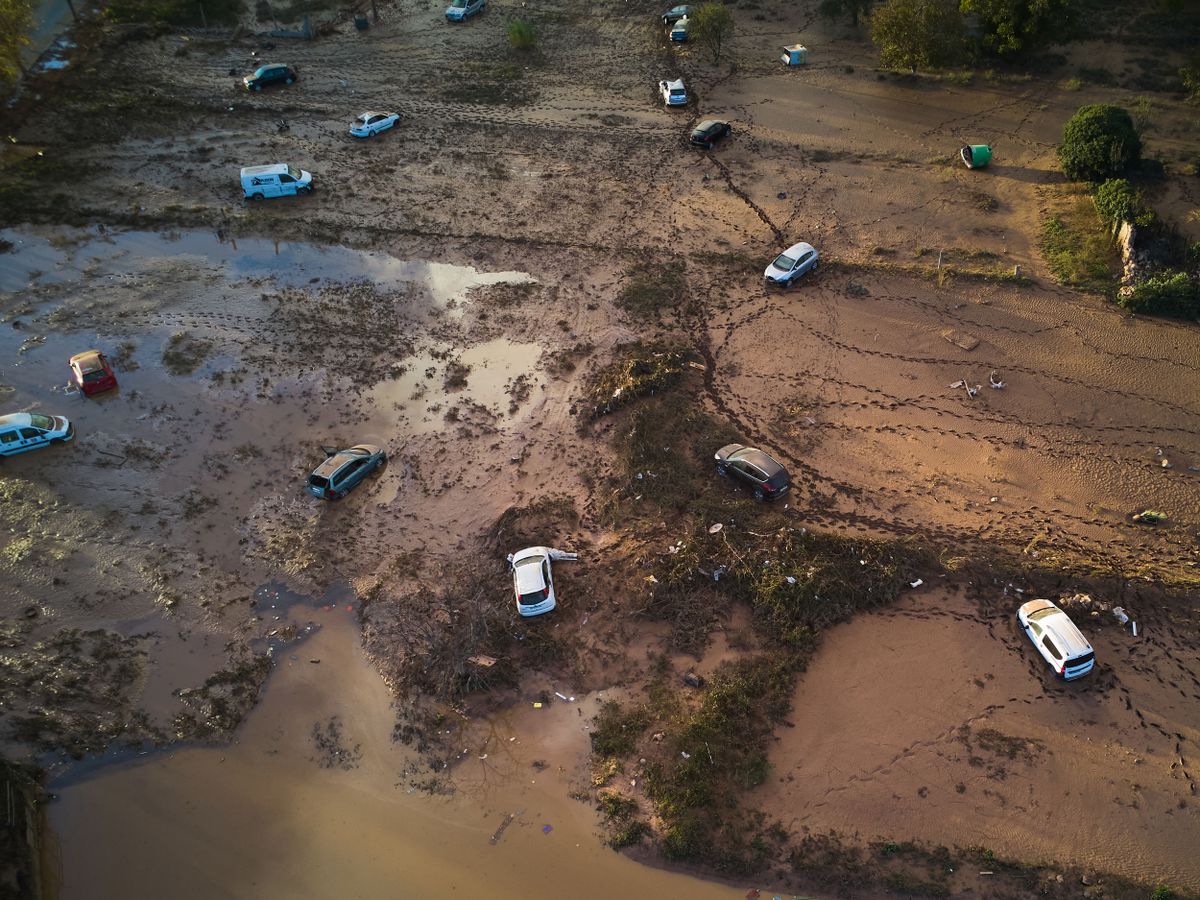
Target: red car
{"x":91,"y":371}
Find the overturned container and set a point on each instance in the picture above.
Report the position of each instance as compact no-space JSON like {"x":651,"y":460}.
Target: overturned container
{"x":976,"y":156}
{"x":795,"y":55}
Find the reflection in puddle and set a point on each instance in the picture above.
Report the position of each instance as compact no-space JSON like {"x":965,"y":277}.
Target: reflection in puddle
{"x":314,"y":800}
{"x":70,"y":255}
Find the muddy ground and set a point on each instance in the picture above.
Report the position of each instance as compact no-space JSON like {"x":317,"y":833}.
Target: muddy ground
{"x":450,"y":290}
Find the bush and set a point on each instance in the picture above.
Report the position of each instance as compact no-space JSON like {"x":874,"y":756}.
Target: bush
{"x":1118,"y":201}
{"x":1175,"y":294}
{"x":1099,"y":142}
{"x":711,"y":26}
{"x":521,"y":34}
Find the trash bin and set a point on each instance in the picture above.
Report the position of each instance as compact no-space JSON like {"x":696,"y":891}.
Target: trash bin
{"x":976,"y":156}
{"x":796,"y":55}
{"x":361,"y":23}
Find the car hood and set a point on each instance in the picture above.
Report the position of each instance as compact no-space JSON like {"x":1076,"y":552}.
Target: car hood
{"x":773,"y":271}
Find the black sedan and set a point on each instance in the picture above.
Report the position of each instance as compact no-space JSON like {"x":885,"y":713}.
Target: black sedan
{"x":767,"y":477}
{"x":268,"y":75}
{"x":709,"y":132}
{"x":674,"y":14}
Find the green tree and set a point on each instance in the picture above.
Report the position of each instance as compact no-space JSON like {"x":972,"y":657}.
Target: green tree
{"x":1099,"y":142}
{"x":16,"y":17}
{"x":912,"y":33}
{"x":1013,"y":26}
{"x":521,"y":34}
{"x":833,"y":9}
{"x":711,"y":25}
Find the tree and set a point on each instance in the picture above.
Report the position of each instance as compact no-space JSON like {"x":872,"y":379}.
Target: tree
{"x":912,"y":33}
{"x":711,"y":25}
{"x":832,"y":9}
{"x":1099,"y":142}
{"x":16,"y":17}
{"x":1013,"y":26}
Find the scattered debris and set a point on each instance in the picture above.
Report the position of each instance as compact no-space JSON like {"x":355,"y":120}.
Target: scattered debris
{"x":1150,"y":516}
{"x":691,"y":679}
{"x":483,"y":661}
{"x":1120,"y":615}
{"x":960,"y":339}
{"x":546,"y":829}
{"x":715,"y":527}
{"x":508,"y":820}
{"x":994,"y":380}
{"x":917,"y":583}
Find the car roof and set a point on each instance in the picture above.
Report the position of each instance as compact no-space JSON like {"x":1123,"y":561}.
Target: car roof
{"x":16,"y":418}
{"x":1059,"y":626}
{"x":86,"y":357}
{"x":273,"y":169}
{"x":528,"y":574}
{"x":673,"y":84}
{"x":374,"y":112}
{"x":708,"y":123}
{"x":797,"y":249}
{"x":339,"y":459}
{"x":758,"y":458}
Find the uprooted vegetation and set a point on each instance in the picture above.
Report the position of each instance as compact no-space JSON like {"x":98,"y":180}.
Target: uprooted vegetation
{"x":638,"y":370}
{"x":654,"y":288}
{"x":215,"y":709}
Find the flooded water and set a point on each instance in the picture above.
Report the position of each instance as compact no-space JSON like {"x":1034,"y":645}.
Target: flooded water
{"x":314,"y":800}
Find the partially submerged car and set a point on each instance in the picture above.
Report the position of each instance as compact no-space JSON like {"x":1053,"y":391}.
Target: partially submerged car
{"x":791,"y":264}
{"x":679,"y":31}
{"x":344,"y":469}
{"x":277,"y":180}
{"x":765,"y":475}
{"x":29,"y":431}
{"x":674,"y":14}
{"x":1057,"y":638}
{"x":709,"y":132}
{"x":272,"y":73}
{"x":458,"y":10}
{"x":673,"y":92}
{"x":92,"y":373}
{"x":371,"y":123}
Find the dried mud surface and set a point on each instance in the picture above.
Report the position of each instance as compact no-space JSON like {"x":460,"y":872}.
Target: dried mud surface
{"x":449,"y":291}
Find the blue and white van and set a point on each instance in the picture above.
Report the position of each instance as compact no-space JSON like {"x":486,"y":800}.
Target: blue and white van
{"x":278,"y":180}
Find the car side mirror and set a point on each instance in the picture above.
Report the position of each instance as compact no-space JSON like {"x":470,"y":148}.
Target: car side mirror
{"x":329,"y":451}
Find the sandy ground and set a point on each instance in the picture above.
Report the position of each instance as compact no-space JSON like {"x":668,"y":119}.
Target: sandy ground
{"x":495,"y":227}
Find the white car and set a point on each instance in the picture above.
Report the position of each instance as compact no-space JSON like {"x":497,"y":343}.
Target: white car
{"x":673,"y":92}
{"x":28,"y":431}
{"x":371,"y":123}
{"x":791,"y":264}
{"x":1057,"y":639}
{"x":532,"y":581}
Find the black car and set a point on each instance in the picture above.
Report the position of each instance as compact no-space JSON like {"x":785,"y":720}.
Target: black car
{"x":267,"y":75}
{"x":674,"y":14}
{"x":709,"y":132}
{"x":344,"y":469}
{"x":768,"y":478}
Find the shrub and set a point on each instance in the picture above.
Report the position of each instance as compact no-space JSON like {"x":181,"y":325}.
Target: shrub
{"x":1174,"y":294}
{"x":918,"y":33}
{"x":1099,"y":142}
{"x":1117,"y":201}
{"x":521,"y":34}
{"x":712,"y":27}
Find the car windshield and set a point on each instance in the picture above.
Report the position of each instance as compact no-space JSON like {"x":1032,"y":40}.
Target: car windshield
{"x":459,"y":4}
{"x":1043,"y":613}
{"x":39,"y":421}
{"x":783,"y":261}
{"x":294,"y":172}
{"x":677,"y":92}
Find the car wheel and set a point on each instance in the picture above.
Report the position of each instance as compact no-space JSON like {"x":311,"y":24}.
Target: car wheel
{"x":758,"y":494}
{"x":289,"y":80}
{"x":304,"y":190}
{"x":258,"y":196}
{"x":728,"y":131}
{"x":722,"y":470}
{"x":256,"y":86}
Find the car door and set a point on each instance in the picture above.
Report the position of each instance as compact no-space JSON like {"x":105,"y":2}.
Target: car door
{"x":32,"y":437}
{"x":349,"y":475}
{"x":755,"y":475}
{"x":10,"y":441}
{"x":287,"y":185}
{"x":546,"y":576}
{"x":804,"y":263}
{"x":1050,"y":650}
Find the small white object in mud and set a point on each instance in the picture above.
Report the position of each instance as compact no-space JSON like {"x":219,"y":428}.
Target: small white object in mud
{"x":917,"y":583}
{"x":715,"y":527}
{"x":790,"y":579}
{"x":1120,"y":614}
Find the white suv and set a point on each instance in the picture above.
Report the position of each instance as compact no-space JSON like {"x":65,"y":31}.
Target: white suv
{"x":1057,"y":639}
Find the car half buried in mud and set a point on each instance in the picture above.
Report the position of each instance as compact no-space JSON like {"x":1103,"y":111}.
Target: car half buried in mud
{"x":344,"y":469}
{"x":29,"y":431}
{"x":92,"y":373}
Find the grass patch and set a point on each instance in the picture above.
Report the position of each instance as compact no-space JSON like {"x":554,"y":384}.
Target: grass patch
{"x":653,"y":288}
{"x":1077,"y":246}
{"x":185,"y":353}
{"x":617,"y":728}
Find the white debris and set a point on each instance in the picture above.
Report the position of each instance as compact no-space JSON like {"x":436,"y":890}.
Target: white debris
{"x":1120,"y":615}
{"x":715,"y":527}
{"x":917,"y":583}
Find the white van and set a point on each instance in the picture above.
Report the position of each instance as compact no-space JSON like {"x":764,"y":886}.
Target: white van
{"x":279,"y":180}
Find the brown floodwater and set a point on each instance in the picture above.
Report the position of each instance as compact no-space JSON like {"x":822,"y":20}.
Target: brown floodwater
{"x":274,"y":814}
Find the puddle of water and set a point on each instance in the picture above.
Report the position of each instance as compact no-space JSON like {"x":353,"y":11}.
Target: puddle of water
{"x":503,"y":377}
{"x":264,"y":816}
{"x":65,"y":255}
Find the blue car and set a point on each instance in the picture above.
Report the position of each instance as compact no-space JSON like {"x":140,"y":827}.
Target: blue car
{"x":674,"y":14}
{"x":679,"y":32}
{"x":464,"y":9}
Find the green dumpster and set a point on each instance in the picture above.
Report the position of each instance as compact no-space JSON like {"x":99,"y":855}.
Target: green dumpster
{"x":976,"y":156}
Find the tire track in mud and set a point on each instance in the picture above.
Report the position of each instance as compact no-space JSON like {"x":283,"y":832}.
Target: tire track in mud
{"x":745,"y":198}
